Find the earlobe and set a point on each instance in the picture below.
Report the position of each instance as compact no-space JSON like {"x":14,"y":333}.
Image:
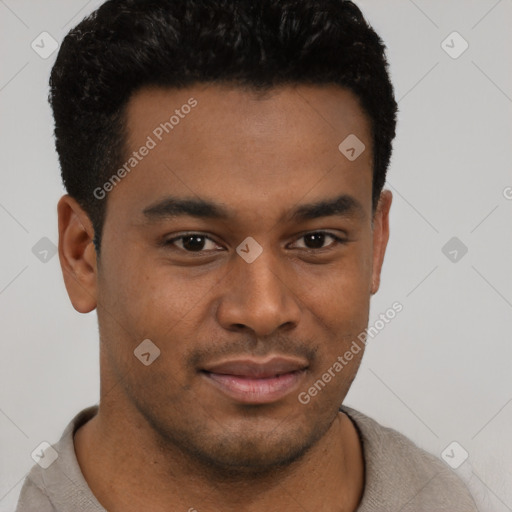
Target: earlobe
{"x":77,"y":254}
{"x":380,"y":237}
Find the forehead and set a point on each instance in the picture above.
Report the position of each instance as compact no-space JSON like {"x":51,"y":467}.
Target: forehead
{"x":221,"y":110}
{"x":246,"y":150}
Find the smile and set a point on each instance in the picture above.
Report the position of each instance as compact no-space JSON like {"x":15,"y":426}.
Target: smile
{"x":255,"y":382}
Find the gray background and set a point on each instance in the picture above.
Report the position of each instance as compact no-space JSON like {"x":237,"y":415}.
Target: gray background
{"x":441,"y":371}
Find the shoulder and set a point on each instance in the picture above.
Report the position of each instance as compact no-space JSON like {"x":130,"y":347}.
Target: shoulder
{"x":56,"y":482}
{"x":402,"y":476}
{"x":33,"y":498}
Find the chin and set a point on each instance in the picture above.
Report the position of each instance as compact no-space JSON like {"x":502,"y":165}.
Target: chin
{"x":249,"y":452}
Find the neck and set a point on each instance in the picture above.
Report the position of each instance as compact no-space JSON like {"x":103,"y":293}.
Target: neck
{"x":127,"y":469}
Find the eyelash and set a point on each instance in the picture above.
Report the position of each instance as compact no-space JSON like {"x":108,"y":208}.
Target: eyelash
{"x":337,"y":239}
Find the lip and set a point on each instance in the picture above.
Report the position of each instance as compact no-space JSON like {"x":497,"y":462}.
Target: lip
{"x":254,"y":381}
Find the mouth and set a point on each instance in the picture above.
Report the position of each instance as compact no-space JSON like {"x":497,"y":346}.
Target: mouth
{"x":251,"y":381}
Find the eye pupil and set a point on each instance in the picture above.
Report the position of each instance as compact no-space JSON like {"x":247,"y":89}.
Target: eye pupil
{"x":318,"y":240}
{"x":193,"y":242}
{"x":196,"y":242}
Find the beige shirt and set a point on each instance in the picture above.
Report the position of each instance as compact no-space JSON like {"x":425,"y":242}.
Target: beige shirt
{"x":399,"y":476}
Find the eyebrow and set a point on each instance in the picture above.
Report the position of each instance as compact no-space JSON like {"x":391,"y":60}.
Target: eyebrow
{"x":342,"y":206}
{"x":171,"y":207}
{"x":174,"y":207}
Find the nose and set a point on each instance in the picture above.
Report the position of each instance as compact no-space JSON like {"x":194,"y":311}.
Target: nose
{"x":260,"y":296}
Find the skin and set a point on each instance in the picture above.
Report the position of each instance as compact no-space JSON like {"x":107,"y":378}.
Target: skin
{"x":165,"y":438}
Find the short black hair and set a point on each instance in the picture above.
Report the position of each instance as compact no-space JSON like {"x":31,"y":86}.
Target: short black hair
{"x":258,"y":44}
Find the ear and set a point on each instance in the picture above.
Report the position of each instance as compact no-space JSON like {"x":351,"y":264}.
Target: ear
{"x":380,"y":236}
{"x":77,"y":254}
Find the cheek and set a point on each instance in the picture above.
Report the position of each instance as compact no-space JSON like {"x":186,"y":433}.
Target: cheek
{"x":151,"y":298}
{"x":330,"y":380}
{"x":163,"y":301}
{"x":339,"y":293}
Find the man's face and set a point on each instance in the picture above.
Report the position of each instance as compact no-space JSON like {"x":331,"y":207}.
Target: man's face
{"x":304,"y":298}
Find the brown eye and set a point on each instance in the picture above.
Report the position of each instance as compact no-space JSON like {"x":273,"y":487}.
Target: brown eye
{"x":317,"y":239}
{"x":314,"y":240}
{"x":194,"y":242}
